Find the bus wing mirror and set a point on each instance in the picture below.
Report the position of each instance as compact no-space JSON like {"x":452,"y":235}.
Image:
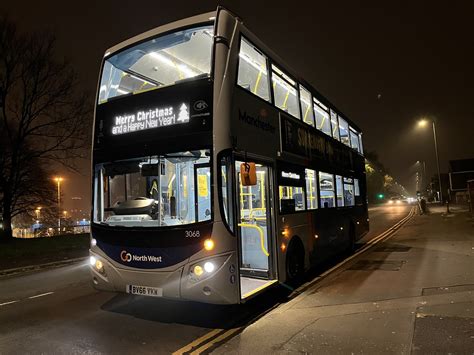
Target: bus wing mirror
{"x":248,"y":174}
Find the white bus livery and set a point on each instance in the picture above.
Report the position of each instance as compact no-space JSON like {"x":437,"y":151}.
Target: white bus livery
{"x":217,"y":171}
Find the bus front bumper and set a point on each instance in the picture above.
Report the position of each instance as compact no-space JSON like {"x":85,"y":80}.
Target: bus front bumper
{"x":210,"y":280}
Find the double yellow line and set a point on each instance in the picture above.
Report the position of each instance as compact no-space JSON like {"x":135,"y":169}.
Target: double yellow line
{"x":216,"y":336}
{"x":207,"y":341}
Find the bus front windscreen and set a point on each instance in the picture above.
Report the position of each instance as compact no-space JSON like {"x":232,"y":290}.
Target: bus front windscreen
{"x":161,"y":61}
{"x":154,"y":191}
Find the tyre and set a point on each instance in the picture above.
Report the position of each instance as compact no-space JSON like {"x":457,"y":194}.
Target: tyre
{"x":295,"y":263}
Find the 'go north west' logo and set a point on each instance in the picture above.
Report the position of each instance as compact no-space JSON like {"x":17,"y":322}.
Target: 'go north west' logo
{"x":128,"y":257}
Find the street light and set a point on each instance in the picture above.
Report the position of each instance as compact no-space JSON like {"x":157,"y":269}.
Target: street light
{"x":424,"y":123}
{"x":58,"y":180}
{"x":38,"y":210}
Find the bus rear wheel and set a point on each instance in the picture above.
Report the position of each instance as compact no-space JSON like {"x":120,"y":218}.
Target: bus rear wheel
{"x":295,"y":263}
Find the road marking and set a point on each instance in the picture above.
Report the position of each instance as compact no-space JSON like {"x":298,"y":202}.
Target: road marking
{"x":227,"y":334}
{"x":216,"y":340}
{"x":41,"y":295}
{"x":197,"y":342}
{"x":6,"y":303}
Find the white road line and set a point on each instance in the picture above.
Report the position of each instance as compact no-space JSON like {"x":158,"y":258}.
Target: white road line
{"x":41,"y":295}
{"x":4,"y":304}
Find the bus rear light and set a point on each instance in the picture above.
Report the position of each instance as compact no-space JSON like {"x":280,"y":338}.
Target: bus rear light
{"x":208,"y":244}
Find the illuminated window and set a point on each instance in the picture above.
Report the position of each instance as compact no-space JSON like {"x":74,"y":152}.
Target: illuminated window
{"x":356,"y":187}
{"x":354,"y":139}
{"x":157,"y":62}
{"x":360,"y":144}
{"x":154,"y":191}
{"x":334,"y":125}
{"x":306,"y":107}
{"x":349,"y":196}
{"x":291,"y":199}
{"x":339,"y":191}
{"x":326,"y":190}
{"x":344,"y":131}
{"x":284,"y":92}
{"x":253,"y":71}
{"x":322,"y":117}
{"x":311,"y":189}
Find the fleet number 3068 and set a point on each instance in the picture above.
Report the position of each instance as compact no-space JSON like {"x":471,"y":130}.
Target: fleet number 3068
{"x":192,"y":234}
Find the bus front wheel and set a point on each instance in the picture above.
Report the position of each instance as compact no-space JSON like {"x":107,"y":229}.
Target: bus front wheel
{"x":295,"y":262}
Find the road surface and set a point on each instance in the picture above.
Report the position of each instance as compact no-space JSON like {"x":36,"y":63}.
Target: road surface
{"x":57,"y":311}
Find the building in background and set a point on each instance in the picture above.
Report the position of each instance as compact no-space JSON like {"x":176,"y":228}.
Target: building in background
{"x":460,"y":172}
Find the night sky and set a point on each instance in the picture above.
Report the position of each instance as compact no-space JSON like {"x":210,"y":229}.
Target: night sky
{"x":418,"y":58}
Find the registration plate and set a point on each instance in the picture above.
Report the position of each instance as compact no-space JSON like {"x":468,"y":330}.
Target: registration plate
{"x":145,"y":290}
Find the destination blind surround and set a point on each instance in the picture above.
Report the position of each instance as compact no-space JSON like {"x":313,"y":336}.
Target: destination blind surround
{"x":152,"y":118}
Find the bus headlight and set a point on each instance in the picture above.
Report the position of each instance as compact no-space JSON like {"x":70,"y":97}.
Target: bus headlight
{"x":197,"y":270}
{"x":93,"y":242}
{"x":97,"y":264}
{"x":206,"y":268}
{"x":209,"y":267}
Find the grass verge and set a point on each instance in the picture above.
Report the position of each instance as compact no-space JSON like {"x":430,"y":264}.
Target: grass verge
{"x":35,"y":251}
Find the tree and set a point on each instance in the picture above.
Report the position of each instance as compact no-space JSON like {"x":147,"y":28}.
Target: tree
{"x":43,"y":118}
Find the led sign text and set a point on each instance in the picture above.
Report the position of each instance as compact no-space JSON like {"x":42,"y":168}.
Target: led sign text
{"x":148,"y":119}
{"x":290,"y":175}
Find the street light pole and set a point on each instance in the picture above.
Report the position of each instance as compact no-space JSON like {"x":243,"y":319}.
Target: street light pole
{"x":58,"y":181}
{"x":437,"y":163}
{"x":423,"y":123}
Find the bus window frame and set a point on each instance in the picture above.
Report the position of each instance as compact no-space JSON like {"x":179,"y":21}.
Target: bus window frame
{"x":227,"y":154}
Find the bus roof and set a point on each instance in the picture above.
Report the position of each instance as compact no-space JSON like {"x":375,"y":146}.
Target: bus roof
{"x":206,"y":17}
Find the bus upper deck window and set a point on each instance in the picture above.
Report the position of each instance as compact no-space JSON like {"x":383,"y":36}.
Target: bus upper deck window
{"x":284,"y":92}
{"x":253,"y":72}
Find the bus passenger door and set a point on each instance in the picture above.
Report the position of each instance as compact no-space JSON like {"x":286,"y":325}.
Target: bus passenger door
{"x":255,"y":231}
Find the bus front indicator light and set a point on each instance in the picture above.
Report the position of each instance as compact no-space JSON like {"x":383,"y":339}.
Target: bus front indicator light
{"x":283,"y":247}
{"x":208,"y":244}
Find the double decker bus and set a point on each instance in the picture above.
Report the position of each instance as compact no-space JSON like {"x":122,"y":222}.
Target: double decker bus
{"x":217,"y":171}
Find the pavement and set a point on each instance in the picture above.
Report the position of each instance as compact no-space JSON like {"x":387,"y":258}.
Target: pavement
{"x":410,"y":294}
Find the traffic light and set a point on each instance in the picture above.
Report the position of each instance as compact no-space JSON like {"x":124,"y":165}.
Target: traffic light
{"x":380,"y":196}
